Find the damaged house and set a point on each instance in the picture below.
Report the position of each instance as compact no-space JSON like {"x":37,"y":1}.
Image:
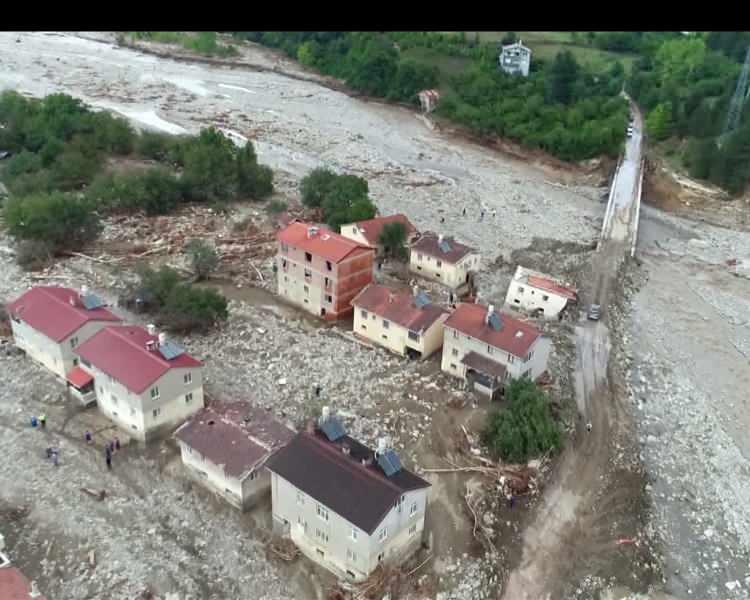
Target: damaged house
{"x":225,"y":447}
{"x":539,"y":294}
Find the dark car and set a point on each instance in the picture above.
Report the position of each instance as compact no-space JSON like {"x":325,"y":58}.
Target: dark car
{"x":595,"y":312}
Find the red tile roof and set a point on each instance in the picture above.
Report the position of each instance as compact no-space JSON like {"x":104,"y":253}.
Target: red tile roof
{"x":514,"y":336}
{"x":371,"y":228}
{"x":398,"y":306}
{"x":544,"y":283}
{"x":79,"y":378}
{"x":234,"y":434}
{"x":14,"y":585}
{"x":429,"y":243}
{"x":327,"y":244}
{"x":49,"y":310}
{"x":120,"y":351}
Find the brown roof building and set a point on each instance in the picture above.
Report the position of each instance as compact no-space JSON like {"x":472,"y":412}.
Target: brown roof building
{"x":402,"y":320}
{"x":443,"y":259}
{"x":226,"y":445}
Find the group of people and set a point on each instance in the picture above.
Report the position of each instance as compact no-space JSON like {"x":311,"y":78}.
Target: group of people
{"x":109,"y":448}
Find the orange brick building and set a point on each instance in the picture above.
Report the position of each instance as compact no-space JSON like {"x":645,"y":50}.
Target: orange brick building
{"x":321,"y":271}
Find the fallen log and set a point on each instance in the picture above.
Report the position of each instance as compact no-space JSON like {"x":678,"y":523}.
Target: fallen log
{"x":99,"y":495}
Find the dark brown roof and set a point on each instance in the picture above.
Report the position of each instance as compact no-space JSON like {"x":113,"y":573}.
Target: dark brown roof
{"x":514,"y":336}
{"x":371,"y":228}
{"x":483,"y":364}
{"x":234,"y":434}
{"x":361,"y":494}
{"x":429,"y":244}
{"x":398,"y":306}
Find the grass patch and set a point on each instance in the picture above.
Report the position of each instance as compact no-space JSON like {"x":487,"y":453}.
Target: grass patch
{"x":448,"y":66}
{"x":202,"y":42}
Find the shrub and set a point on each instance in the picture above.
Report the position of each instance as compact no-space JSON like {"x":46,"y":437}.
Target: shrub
{"x":64,"y":222}
{"x":343,"y":198}
{"x":393,"y":239}
{"x":189,"y":308}
{"x":155,"y":191}
{"x":203,"y":258}
{"x":276,"y":206}
{"x":525,"y":428}
{"x":32,"y":255}
{"x":156,"y":146}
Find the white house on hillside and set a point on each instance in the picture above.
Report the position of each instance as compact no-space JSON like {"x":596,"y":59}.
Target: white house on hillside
{"x":515,"y":59}
{"x":537,"y":293}
{"x":225,"y":447}
{"x":346,"y":507}
{"x":145,"y":383}
{"x":49,"y":322}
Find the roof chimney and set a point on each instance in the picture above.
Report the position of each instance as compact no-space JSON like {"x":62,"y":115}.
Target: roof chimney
{"x":382,"y":446}
{"x":72,"y":301}
{"x":151,"y":329}
{"x":162,"y":339}
{"x":325,"y":413}
{"x":490,"y":310}
{"x":415,"y":289}
{"x":84,"y":290}
{"x":440,"y":238}
{"x":312,"y":232}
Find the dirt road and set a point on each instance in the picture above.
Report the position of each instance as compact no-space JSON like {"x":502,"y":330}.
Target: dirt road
{"x":564,"y":517}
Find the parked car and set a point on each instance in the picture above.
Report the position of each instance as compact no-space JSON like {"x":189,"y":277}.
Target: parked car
{"x":595,"y":312}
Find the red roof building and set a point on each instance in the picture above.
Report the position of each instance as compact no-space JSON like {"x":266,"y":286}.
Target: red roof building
{"x":539,"y":294}
{"x":368,"y":232}
{"x":321,"y":271}
{"x":123,"y":353}
{"x":487,"y":347}
{"x":49,"y":322}
{"x":15,"y":586}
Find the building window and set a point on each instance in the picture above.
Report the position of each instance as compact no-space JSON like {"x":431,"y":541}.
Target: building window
{"x":353,"y":534}
{"x":364,"y":314}
{"x":351,"y":556}
{"x":284,"y":264}
{"x":520,"y":289}
{"x":454,"y":351}
{"x":489,"y":349}
{"x":286,"y":278}
{"x":307,"y":290}
{"x":132,"y":411}
{"x":300,"y":498}
{"x":413,"y":509}
{"x":382,"y":534}
{"x":322,"y":512}
{"x":188,"y":398}
{"x":517,"y":301}
{"x":308,"y":274}
{"x":253,"y":475}
{"x":75,"y":362}
{"x":413,"y":529}
{"x":364,"y":326}
{"x":114,"y":399}
{"x":321,"y":535}
{"x":439,"y":263}
{"x":154,"y":392}
{"x":329,"y":298}
{"x":455,"y":334}
{"x":73,"y":342}
{"x":327,"y":282}
{"x":419,"y":257}
{"x":187,"y":378}
{"x":386,"y":324}
{"x":156,"y":412}
{"x":413,"y":336}
{"x":329,"y":266}
{"x":453,"y":366}
{"x":545,"y":298}
{"x":284,"y":248}
{"x":308,"y":257}
{"x":385,"y":337}
{"x":510,"y":358}
{"x":380,"y":556}
{"x":85,"y":363}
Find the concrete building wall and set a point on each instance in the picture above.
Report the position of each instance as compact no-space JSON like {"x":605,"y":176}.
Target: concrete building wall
{"x":395,"y":337}
{"x":352,"y":232}
{"x":527,"y":298}
{"x":449,"y":274}
{"x":334,"y":542}
{"x":145,"y":417}
{"x":319,"y":286}
{"x":57,"y":357}
{"x":456,"y":345}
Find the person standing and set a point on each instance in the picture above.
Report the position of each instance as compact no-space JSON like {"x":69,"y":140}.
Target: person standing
{"x":43,"y":421}
{"x":117,"y":443}
{"x":463,"y":212}
{"x":88,"y":437}
{"x":56,"y":457}
{"x":108,"y":457}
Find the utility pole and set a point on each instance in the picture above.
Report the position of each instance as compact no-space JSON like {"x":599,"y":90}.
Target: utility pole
{"x":738,"y":99}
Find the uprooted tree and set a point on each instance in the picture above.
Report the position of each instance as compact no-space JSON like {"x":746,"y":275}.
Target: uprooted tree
{"x":203,"y":257}
{"x":525,"y":428}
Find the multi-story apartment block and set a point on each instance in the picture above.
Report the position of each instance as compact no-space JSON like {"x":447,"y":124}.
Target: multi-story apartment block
{"x":443,"y":259}
{"x":487,"y":348}
{"x":225,"y":447}
{"x":403,"y":321}
{"x":48,"y":323}
{"x":346,"y":507}
{"x":321,"y":271}
{"x":145,"y":383}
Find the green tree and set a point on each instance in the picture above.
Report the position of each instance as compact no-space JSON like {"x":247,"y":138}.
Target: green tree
{"x":525,"y":428}
{"x":393,"y":239}
{"x":659,"y":122}
{"x":315,"y":185}
{"x":193,"y":309}
{"x":210,"y":171}
{"x":509,"y":38}
{"x":252,"y":179}
{"x":203,"y":258}
{"x":699,"y":157}
{"x":562,"y":76}
{"x":64,"y":222}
